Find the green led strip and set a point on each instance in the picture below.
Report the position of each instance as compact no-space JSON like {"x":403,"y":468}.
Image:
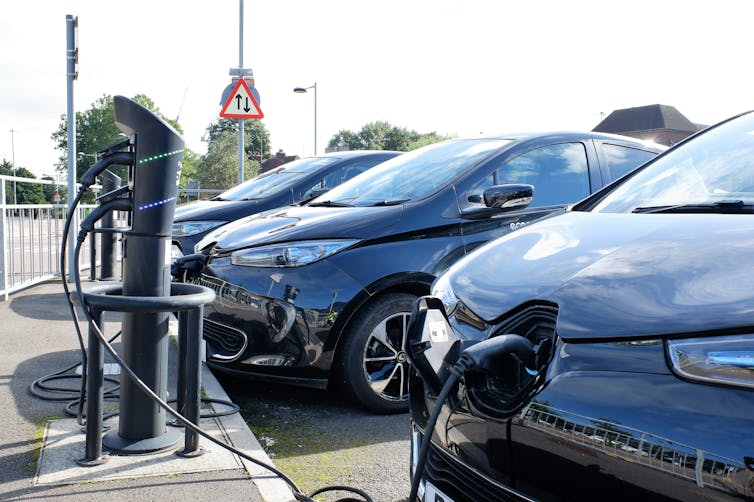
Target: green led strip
{"x":159,"y":156}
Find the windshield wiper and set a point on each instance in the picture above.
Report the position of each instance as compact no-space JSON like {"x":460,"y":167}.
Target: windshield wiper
{"x":721,"y":207}
{"x":329,"y":203}
{"x":390,"y":202}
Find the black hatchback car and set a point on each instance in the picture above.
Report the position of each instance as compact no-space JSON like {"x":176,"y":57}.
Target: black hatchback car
{"x":293,"y":183}
{"x":605,"y":354}
{"x":322,"y":294}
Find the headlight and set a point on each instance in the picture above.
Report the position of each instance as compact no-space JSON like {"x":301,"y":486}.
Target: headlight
{"x":716,"y":359}
{"x":290,"y":254}
{"x":186,"y":228}
{"x":444,"y":291}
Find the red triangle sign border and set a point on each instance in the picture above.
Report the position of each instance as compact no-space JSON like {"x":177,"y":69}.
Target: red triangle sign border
{"x":254,"y":113}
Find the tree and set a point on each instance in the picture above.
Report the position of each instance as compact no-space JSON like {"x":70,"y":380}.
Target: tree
{"x":191,"y":162}
{"x":26,"y":193}
{"x":95,"y":130}
{"x":382,"y":136}
{"x":256,"y":136}
{"x":219,"y":167}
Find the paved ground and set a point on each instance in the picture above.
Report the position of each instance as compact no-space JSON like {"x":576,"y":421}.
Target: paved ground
{"x":320,"y":438}
{"x":37,"y":338}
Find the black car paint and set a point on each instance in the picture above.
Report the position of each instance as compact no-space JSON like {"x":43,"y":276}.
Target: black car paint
{"x":231,"y":210}
{"x":609,"y":419}
{"x":402,"y":248}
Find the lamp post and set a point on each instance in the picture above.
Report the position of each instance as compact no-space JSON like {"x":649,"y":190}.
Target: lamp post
{"x":302,"y":90}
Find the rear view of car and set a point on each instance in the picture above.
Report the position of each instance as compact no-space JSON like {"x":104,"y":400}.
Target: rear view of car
{"x":604,"y":354}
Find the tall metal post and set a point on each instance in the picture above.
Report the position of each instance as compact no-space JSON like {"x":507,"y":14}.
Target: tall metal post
{"x":315,"y":118}
{"x":71,"y":25}
{"x":13,"y":160}
{"x":240,"y":121}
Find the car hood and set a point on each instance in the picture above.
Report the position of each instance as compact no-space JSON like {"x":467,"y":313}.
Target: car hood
{"x":304,"y":223}
{"x":227,"y":210}
{"x":620,"y":276}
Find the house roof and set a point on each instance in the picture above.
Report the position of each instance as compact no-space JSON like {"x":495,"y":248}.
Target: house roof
{"x":644,"y":118}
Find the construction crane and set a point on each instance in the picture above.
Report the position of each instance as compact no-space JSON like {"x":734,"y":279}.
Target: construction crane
{"x":180,"y":108}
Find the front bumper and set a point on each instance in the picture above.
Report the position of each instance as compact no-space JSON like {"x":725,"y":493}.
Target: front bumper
{"x":277,"y":323}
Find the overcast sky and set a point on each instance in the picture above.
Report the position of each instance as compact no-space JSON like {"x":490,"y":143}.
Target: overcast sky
{"x":457,"y":68}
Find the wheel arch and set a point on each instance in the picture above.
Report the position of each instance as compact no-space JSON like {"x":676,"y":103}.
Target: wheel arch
{"x":414,"y":283}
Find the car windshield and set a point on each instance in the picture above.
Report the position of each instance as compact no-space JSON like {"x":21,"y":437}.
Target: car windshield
{"x":277,"y":180}
{"x":411,"y":176}
{"x":714,"y":170}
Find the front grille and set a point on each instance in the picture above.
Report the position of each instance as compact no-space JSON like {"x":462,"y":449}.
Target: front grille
{"x":460,"y":482}
{"x":226,"y":343}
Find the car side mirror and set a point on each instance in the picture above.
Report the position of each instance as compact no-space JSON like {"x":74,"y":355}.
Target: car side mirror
{"x":509,"y":196}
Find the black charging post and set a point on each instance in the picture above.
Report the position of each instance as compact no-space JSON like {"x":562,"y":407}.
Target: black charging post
{"x":110,"y":183}
{"x":158,"y":150}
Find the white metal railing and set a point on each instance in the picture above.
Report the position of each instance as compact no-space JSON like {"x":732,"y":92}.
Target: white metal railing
{"x":30,"y":239}
{"x":193,"y":194}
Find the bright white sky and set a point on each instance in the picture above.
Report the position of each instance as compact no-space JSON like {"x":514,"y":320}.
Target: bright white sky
{"x":454,"y":67}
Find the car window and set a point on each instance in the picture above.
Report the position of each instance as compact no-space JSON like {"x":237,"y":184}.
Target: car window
{"x":716,"y":166}
{"x":276,"y":181}
{"x":559,"y":174}
{"x":340,"y":175}
{"x":620,"y":159}
{"x":430,"y":167}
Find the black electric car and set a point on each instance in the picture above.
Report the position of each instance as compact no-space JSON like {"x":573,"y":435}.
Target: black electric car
{"x":322,"y":293}
{"x":604,"y":354}
{"x":291,"y":183}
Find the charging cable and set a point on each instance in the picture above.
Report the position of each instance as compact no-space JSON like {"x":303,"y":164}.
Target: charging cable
{"x":475,"y":357}
{"x":298,"y":494}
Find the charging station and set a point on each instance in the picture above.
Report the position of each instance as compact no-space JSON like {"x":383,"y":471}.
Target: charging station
{"x":146,"y":297}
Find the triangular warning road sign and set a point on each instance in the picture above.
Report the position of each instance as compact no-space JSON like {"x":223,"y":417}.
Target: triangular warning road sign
{"x":241,"y":103}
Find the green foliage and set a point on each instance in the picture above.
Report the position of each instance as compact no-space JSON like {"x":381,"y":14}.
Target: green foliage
{"x":256,"y":136}
{"x":191,"y":162}
{"x":382,"y":136}
{"x":219,"y":167}
{"x":25,"y":193}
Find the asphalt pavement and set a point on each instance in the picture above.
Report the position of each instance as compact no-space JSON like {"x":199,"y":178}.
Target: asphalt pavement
{"x":40,"y":442}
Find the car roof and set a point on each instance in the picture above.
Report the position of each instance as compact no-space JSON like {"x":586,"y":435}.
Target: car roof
{"x":519,"y":136}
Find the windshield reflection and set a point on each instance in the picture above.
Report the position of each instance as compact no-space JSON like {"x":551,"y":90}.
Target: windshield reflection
{"x":277,"y":180}
{"x":716,"y":166}
{"x":413,"y":175}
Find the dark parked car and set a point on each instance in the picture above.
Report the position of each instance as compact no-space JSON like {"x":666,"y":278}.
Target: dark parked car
{"x":322,"y":294}
{"x":605,"y":354}
{"x":291,"y":183}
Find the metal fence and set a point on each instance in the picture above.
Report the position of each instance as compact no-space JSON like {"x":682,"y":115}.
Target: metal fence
{"x":31,"y":236}
{"x":194,"y":194}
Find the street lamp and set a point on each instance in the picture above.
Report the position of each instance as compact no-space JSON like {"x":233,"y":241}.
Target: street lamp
{"x":302,"y":90}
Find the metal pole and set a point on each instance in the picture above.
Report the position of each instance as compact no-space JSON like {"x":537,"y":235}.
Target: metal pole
{"x":95,"y":379}
{"x":110,"y":182}
{"x":240,"y":65}
{"x":13,"y":159}
{"x":4,"y":248}
{"x":240,"y":150}
{"x":70,"y":23}
{"x":315,"y":118}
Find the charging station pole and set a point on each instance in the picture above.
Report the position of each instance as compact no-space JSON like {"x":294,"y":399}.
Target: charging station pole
{"x":158,"y":151}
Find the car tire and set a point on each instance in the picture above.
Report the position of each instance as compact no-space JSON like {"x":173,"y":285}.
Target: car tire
{"x":374,"y":368}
